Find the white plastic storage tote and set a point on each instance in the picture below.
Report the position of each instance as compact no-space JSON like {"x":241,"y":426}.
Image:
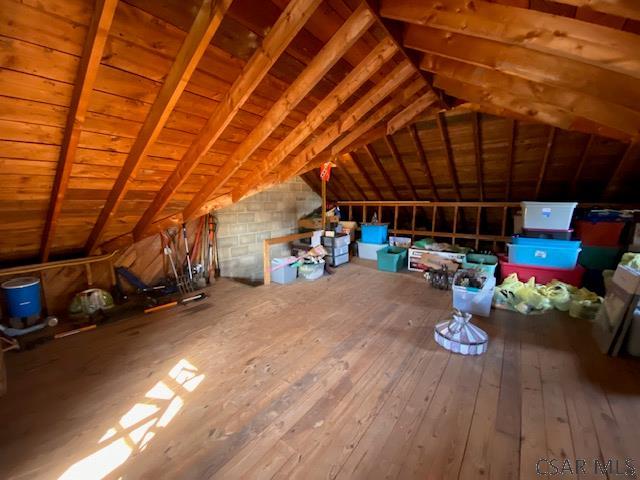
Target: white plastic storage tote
{"x":474,"y":301}
{"x":547,"y":215}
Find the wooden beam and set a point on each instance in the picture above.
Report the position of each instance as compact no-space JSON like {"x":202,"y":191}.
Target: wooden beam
{"x":597,"y":82}
{"x":354,"y":80}
{"x":290,"y":22}
{"x":376,"y":160}
{"x":423,"y":160}
{"x":370,"y":136}
{"x":391,"y":145}
{"x":346,"y":36}
{"x":400,"y":99}
{"x":583,"y":159}
{"x":510,"y":158}
{"x":88,"y":65}
{"x":446,"y":144}
{"x":348,"y":119}
{"x":193,"y":48}
{"x":620,"y":8}
{"x":394,"y":33}
{"x":545,"y":161}
{"x":609,"y":115}
{"x":365,"y":174}
{"x":403,"y":118}
{"x":565,"y":37}
{"x":526,"y":108}
{"x":347,"y":174}
{"x":477,"y":142}
{"x":631,"y":156}
{"x":342,"y":188}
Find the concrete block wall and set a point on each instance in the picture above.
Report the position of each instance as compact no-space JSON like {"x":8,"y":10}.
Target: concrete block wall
{"x":244,"y":225}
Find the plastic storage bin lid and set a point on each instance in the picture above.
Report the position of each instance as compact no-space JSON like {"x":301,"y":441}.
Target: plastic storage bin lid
{"x":20,"y":282}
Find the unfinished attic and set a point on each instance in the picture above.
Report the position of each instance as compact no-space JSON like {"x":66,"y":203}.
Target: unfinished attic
{"x":317,"y":239}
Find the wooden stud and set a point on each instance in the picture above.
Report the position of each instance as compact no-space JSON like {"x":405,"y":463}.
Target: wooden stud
{"x":374,"y":158}
{"x":403,"y":118}
{"x":583,"y":159}
{"x":364,"y":214}
{"x":354,"y":80}
{"x":446,"y":143}
{"x":510,"y":159}
{"x":89,"y":274}
{"x":434,"y":215}
{"x":545,"y":161}
{"x":413,"y":222}
{"x":350,"y":31}
{"x":350,"y":212}
{"x":365,"y":174}
{"x":388,"y":140}
{"x":423,"y":160}
{"x":103,"y":13}
{"x":324,"y":204}
{"x":395,"y":219}
{"x":266,"y":262}
{"x":380,"y":213}
{"x":455,"y":224}
{"x":477,"y":142}
{"x":290,"y":22}
{"x":478,"y":220}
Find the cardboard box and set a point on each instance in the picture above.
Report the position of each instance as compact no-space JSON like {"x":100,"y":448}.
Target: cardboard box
{"x":627,"y":279}
{"x":421,"y":259}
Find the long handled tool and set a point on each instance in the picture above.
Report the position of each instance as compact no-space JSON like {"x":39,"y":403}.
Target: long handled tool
{"x":184,"y":285}
{"x":186,"y":249}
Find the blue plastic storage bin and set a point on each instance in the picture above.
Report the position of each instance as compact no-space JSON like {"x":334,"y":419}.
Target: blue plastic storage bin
{"x":374,"y":232}
{"x":284,"y":272}
{"x":23,"y":296}
{"x":544,"y":252}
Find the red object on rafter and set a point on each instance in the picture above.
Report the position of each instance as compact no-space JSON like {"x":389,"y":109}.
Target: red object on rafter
{"x":325,"y":170}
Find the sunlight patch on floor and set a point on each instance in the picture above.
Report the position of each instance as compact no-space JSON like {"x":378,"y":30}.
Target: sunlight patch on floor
{"x":139,"y":425}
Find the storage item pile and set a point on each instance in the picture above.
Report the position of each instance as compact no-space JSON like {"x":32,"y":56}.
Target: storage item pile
{"x":612,"y":328}
{"x":530,"y":298}
{"x":544,"y":250}
{"x":373,"y":237}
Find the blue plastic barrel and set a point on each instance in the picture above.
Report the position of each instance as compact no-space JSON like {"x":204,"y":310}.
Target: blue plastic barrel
{"x":23,"y":296}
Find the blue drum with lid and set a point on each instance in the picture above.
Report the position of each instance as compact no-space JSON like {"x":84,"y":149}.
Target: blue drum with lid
{"x":23,"y":296}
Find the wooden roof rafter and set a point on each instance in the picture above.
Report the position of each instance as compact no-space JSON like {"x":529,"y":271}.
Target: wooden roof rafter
{"x":545,"y":161}
{"x":348,"y":119}
{"x":400,"y":99}
{"x":355,"y":26}
{"x":376,"y":160}
{"x":423,"y":160}
{"x":593,"y":44}
{"x":353,"y":181}
{"x":391,"y":145}
{"x":365,"y":174}
{"x":409,"y":113}
{"x":104,"y":11}
{"x":477,"y":142}
{"x":203,"y":29}
{"x":583,"y":160}
{"x":282,"y":33}
{"x":446,"y":145}
{"x":354,"y":80}
{"x":513,"y":125}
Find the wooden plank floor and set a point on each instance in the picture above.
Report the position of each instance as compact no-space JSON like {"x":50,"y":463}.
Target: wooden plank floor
{"x":338,"y":378}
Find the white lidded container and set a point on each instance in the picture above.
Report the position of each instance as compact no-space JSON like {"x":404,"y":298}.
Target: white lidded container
{"x":474,"y":301}
{"x":547,"y":215}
